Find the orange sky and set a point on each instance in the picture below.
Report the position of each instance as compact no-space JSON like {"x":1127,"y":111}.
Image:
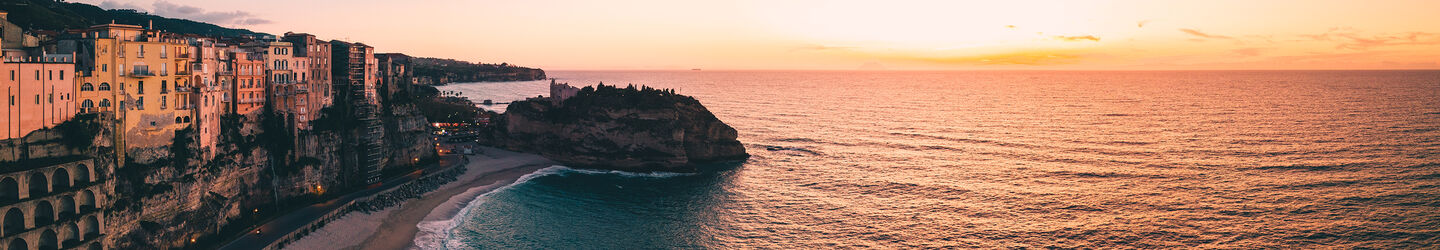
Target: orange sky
{"x":843,"y":35}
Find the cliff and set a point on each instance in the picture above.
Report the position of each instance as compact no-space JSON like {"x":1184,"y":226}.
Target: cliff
{"x":613,"y":128}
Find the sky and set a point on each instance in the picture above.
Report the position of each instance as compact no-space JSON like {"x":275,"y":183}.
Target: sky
{"x":850,"y":35}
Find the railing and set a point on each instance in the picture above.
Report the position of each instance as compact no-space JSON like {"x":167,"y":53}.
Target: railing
{"x":179,"y":88}
{"x":142,"y":73}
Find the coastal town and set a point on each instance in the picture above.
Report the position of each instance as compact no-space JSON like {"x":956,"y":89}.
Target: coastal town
{"x":112,"y":130}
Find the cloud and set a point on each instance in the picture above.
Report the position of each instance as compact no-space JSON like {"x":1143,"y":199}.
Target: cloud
{"x":173,"y":10}
{"x":1203,"y":34}
{"x":817,"y":47}
{"x":1032,"y":58}
{"x":1141,"y":23}
{"x":1354,"y":39}
{"x":1010,"y":26}
{"x":112,"y":5}
{"x":1078,"y":38}
{"x":1250,"y":51}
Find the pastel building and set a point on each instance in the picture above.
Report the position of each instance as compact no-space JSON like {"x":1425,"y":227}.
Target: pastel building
{"x":207,"y":99}
{"x":38,"y":92}
{"x":139,"y":75}
{"x":249,"y":84}
{"x":317,"y":59}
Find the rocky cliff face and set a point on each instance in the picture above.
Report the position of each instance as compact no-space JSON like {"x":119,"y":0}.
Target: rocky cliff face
{"x":613,"y":128}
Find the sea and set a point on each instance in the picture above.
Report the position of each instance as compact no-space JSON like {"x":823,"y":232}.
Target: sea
{"x":1004,"y":159}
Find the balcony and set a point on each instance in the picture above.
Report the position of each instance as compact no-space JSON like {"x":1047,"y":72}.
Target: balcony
{"x":179,"y":88}
{"x":142,"y":72}
{"x":182,"y":56}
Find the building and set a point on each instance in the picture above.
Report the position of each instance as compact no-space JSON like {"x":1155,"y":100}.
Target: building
{"x":139,"y":75}
{"x":561,"y":91}
{"x":249,"y":84}
{"x":355,"y":78}
{"x":39,"y":93}
{"x":317,"y":58}
{"x":207,"y":102}
{"x":395,"y":76}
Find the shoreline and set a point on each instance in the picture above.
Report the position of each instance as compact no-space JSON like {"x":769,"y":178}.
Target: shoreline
{"x":486,"y":172}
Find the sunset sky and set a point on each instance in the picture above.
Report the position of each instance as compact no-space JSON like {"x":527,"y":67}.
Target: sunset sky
{"x":844,"y":35}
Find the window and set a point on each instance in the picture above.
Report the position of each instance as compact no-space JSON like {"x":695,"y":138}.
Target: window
{"x":62,"y":75}
{"x":37,"y":74}
{"x":12,"y":75}
{"x":37,"y":99}
{"x":104,"y":103}
{"x":104,"y":68}
{"x":141,"y":90}
{"x":87,"y":87}
{"x":104,"y":86}
{"x":177,"y":119}
{"x":87,"y":104}
{"x":139,"y":103}
{"x":50,"y":74}
{"x":163,"y":101}
{"x":164,"y":88}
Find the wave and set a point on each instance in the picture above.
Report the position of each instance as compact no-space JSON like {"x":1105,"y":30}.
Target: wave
{"x":437,"y":234}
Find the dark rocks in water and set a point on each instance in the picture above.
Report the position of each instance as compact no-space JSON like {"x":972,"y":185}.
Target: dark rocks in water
{"x":625,"y":129}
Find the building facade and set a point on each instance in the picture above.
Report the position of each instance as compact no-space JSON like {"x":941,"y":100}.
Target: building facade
{"x":317,"y":59}
{"x":39,"y":93}
{"x":137,"y":74}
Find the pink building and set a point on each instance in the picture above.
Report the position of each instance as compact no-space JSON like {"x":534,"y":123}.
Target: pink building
{"x":39,"y":93}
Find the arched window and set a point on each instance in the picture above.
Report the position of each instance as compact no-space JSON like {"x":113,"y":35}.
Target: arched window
{"x":177,"y":119}
{"x":87,"y":104}
{"x":104,"y":86}
{"x":87,"y":87}
{"x":104,"y":103}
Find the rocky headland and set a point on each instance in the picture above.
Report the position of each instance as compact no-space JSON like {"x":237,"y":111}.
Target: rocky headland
{"x":607,"y":127}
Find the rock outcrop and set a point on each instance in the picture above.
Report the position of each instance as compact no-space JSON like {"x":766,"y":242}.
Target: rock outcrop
{"x":613,"y":128}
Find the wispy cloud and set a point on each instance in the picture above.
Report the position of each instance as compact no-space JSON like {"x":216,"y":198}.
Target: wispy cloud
{"x":1250,"y":51}
{"x":1141,"y":23}
{"x":173,"y":10}
{"x":1033,"y":58}
{"x":817,"y":47}
{"x":1354,"y":39}
{"x":1078,"y":38}
{"x":1204,"y":35}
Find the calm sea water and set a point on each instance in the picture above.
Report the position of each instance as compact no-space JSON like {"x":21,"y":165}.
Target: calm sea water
{"x":1008,"y":159}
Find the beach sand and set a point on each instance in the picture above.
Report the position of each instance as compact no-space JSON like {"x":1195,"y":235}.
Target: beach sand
{"x":396,"y":227}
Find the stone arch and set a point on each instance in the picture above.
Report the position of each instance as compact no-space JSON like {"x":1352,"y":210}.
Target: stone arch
{"x":86,"y":201}
{"x":82,"y":174}
{"x":104,"y":86}
{"x":44,"y":213}
{"x":70,"y":235}
{"x":17,"y":244}
{"x":87,"y":87}
{"x":38,"y":184}
{"x":67,"y":208}
{"x":48,"y":240}
{"x":9,"y":190}
{"x":92,"y":227}
{"x":61,"y":180}
{"x":14,"y":222}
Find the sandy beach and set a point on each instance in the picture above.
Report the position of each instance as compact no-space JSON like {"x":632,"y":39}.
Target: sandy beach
{"x":396,"y":227}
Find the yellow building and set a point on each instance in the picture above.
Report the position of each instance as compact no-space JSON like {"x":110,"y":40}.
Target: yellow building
{"x":137,"y":74}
